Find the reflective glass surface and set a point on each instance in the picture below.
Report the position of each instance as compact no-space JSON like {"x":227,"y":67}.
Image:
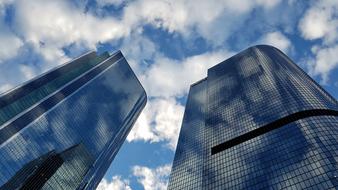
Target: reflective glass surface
{"x":68,"y":140}
{"x":188,"y":162}
{"x":13,"y":104}
{"x":252,"y":90}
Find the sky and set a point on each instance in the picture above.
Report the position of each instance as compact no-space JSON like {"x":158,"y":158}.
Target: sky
{"x":169,"y":45}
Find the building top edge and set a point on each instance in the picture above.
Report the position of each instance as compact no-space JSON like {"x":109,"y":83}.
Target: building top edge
{"x":195,"y":83}
{"x":251,"y":48}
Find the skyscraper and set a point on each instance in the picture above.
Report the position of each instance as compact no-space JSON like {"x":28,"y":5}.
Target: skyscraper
{"x":62,"y":129}
{"x":257,"y":121}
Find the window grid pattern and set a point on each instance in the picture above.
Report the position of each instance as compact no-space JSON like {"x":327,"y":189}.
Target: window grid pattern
{"x":98,"y":116}
{"x":188,"y":162}
{"x":252,"y":89}
{"x":36,"y":94}
{"x":300,"y":155}
{"x":266,"y":90}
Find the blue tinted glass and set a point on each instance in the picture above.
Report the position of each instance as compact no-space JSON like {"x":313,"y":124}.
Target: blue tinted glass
{"x":244,"y":94}
{"x":188,"y":162}
{"x":72,"y":136}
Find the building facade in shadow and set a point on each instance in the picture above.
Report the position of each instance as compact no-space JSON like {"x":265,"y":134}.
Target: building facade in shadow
{"x":62,"y":129}
{"x":257,"y":121}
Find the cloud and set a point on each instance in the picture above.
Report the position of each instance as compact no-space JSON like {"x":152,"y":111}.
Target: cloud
{"x":159,"y":121}
{"x":39,"y":31}
{"x":149,"y":178}
{"x":116,"y":184}
{"x":9,"y":45}
{"x":320,"y":21}
{"x":276,"y":39}
{"x":172,"y":78}
{"x":324,"y":62}
{"x":61,"y":23}
{"x":138,"y":50}
{"x":215,"y":23}
{"x":152,"y":179}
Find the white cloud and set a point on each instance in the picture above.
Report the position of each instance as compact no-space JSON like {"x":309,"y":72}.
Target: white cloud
{"x":45,"y":28}
{"x":320,"y":21}
{"x":324,"y":62}
{"x":60,"y":24}
{"x":149,"y":178}
{"x":159,"y":121}
{"x":277,"y":40}
{"x":152,"y":179}
{"x":27,"y":71}
{"x":116,"y":184}
{"x":171,"y":78}
{"x":214,"y":20}
{"x":137,"y":49}
{"x":9,"y":45}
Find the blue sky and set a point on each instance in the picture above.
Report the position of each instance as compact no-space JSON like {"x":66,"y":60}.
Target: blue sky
{"x":169,"y":45}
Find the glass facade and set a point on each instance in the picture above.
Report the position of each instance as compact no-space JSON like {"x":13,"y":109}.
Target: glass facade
{"x":62,"y":129}
{"x":188,"y":162}
{"x":267,"y":125}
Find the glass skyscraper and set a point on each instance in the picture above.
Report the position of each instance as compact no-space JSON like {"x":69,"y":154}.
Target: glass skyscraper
{"x":62,"y":129}
{"x":257,"y":121}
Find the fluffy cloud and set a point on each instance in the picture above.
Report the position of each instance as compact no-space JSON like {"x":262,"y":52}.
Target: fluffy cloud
{"x":186,"y":18}
{"x":172,"y":78}
{"x":152,"y":179}
{"x":278,"y":40}
{"x":149,"y":178}
{"x":116,"y":184}
{"x":324,"y":62}
{"x":159,"y":121}
{"x":320,"y":21}
{"x":9,"y":45}
{"x":60,"y":24}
